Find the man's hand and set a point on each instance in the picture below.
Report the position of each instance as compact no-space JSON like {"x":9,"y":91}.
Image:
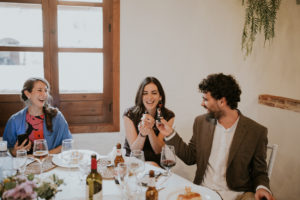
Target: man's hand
{"x":164,"y":127}
{"x":262,"y":193}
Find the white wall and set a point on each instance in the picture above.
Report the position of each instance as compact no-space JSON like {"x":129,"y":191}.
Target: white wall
{"x":181,"y":42}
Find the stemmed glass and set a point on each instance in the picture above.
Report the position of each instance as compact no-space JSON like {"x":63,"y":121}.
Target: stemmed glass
{"x":136,"y":165}
{"x":168,"y":158}
{"x":137,"y":162}
{"x":19,"y":162}
{"x":122,"y":176}
{"x":40,"y":151}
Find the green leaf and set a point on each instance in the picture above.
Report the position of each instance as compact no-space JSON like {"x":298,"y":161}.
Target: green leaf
{"x":9,"y":185}
{"x":260,"y":16}
{"x":30,"y":177}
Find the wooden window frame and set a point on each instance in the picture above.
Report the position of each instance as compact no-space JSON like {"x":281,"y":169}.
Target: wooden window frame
{"x":109,"y":99}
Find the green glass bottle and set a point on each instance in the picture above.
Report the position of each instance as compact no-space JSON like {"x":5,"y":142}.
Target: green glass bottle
{"x":94,"y":182}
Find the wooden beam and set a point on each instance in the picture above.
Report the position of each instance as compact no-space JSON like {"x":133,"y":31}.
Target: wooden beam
{"x":279,"y":102}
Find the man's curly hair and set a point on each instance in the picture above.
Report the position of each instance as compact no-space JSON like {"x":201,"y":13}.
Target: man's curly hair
{"x":220,"y":85}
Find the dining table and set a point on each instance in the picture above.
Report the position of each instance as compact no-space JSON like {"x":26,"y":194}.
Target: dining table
{"x":74,"y":187}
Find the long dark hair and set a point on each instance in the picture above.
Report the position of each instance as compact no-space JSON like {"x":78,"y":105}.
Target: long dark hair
{"x":49,"y":111}
{"x":139,"y":106}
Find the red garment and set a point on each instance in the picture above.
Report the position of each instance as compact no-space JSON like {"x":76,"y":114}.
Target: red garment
{"x":35,"y":126}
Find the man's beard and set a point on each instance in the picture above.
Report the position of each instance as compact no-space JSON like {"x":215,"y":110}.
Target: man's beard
{"x":214,"y":114}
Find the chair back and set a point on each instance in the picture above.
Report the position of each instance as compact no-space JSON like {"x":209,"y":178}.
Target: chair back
{"x":272,"y":149}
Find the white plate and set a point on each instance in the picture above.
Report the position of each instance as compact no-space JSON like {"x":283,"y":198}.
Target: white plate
{"x":206,"y":194}
{"x":84,"y":156}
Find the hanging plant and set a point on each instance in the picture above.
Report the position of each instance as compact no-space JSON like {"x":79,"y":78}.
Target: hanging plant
{"x":260,"y":15}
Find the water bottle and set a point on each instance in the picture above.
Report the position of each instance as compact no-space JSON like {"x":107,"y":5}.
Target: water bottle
{"x":6,"y":167}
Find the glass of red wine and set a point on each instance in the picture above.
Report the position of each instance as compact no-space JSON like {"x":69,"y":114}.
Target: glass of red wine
{"x":168,"y":158}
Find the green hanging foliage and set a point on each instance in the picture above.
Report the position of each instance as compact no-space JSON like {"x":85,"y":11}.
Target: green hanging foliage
{"x":260,"y":15}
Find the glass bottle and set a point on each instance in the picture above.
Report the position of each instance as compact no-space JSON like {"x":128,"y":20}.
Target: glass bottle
{"x":118,"y":159}
{"x":6,"y":167}
{"x":94,"y":182}
{"x":151,"y":193}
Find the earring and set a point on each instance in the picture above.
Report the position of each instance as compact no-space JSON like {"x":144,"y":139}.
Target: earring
{"x":160,"y":104}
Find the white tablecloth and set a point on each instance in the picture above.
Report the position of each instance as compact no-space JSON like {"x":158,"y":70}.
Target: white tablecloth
{"x":74,"y":187}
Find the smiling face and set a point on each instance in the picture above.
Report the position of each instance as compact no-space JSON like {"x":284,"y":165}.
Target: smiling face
{"x":151,"y":97}
{"x":212,"y":105}
{"x":39,"y":94}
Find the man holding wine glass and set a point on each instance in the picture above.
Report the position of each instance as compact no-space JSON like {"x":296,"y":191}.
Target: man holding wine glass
{"x":228,"y":148}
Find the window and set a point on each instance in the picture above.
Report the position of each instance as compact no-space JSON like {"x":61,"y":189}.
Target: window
{"x":73,"y":44}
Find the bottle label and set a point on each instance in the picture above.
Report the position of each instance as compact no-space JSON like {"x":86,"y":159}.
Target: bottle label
{"x":119,"y":152}
{"x":151,"y":182}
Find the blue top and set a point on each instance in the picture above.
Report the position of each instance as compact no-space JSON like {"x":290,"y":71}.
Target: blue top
{"x":17,"y":125}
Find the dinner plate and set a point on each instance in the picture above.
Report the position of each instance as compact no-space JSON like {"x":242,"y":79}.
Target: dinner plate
{"x":206,"y":194}
{"x":81,"y":156}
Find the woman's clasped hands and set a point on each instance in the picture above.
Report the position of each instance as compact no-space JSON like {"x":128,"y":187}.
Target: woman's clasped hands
{"x":146,"y":124}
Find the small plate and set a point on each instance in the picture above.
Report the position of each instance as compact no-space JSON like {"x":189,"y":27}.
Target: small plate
{"x":206,"y":194}
{"x":82,"y":156}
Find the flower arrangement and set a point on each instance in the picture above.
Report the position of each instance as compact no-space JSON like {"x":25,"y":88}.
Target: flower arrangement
{"x":28,"y":187}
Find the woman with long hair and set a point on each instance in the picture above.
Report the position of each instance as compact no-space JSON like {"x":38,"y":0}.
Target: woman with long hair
{"x":140,"y":120}
{"x":38,"y":120}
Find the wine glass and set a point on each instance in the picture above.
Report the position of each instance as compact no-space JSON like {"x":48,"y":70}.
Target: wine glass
{"x":136,"y":162}
{"x":19,"y":162}
{"x":168,"y":158}
{"x":40,"y":151}
{"x":136,"y":165}
{"x":122,"y":176}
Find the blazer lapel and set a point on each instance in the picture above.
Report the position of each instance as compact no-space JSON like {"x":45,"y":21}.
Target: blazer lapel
{"x":209,"y":138}
{"x":238,"y":137}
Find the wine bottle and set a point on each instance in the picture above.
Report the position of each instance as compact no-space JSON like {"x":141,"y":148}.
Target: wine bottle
{"x":151,"y":193}
{"x":94,"y":182}
{"x":118,"y":159}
